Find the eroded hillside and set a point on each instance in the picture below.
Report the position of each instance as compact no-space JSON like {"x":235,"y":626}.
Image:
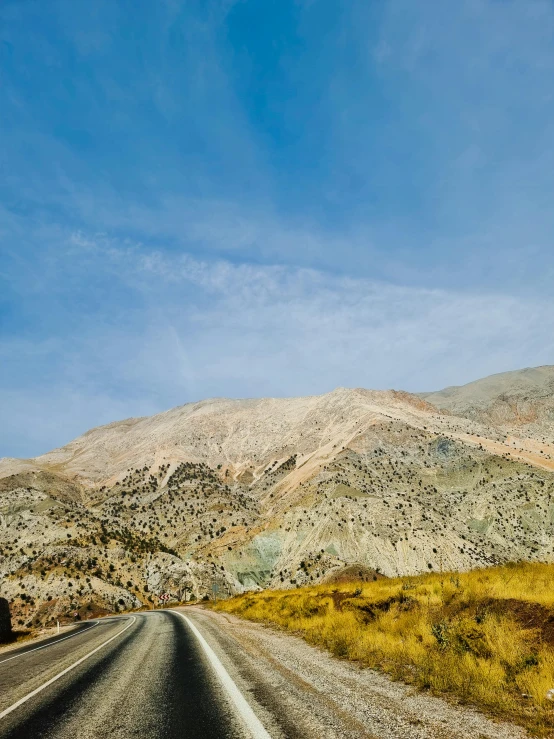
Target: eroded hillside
{"x":279,"y":492}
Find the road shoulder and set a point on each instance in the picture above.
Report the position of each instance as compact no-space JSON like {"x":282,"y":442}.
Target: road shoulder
{"x":298,"y":690}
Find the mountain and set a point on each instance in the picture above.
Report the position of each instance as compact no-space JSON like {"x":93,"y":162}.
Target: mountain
{"x":236,"y":494}
{"x":523,"y":399}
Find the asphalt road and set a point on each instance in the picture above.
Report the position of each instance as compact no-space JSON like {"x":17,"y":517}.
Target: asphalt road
{"x":194,"y":672}
{"x":142,"y":675}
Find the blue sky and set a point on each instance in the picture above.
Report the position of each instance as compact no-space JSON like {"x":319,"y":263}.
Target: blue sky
{"x":254,"y":198}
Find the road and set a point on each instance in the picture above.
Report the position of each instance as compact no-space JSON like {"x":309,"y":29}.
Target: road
{"x":141,"y":675}
{"x":192,"y":673}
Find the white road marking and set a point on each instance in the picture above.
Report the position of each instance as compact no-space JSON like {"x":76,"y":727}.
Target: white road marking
{"x":51,"y":644}
{"x":252,"y":722}
{"x":63,"y":672}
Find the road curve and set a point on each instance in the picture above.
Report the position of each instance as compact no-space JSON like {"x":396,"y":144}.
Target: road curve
{"x":142,"y":675}
{"x":194,"y":673}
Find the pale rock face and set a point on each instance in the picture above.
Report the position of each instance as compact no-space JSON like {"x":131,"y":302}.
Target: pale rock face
{"x":240,"y":494}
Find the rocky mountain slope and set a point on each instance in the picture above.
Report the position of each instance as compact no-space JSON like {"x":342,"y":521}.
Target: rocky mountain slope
{"x":522,"y":400}
{"x":236,"y":494}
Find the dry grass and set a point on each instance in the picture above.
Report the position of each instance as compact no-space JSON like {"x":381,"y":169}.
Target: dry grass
{"x":484,"y":637}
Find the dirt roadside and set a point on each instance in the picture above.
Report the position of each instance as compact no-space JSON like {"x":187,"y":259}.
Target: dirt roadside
{"x":299,"y":691}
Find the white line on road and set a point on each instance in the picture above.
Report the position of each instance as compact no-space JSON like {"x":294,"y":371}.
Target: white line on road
{"x":50,"y":644}
{"x":63,"y":672}
{"x":253,"y":723}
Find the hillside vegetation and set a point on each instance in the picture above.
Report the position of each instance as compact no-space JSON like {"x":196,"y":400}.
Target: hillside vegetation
{"x":484,"y":637}
{"x":280,"y":492}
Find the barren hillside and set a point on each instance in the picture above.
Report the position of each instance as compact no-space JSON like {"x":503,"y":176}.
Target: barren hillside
{"x":522,"y":400}
{"x":280,"y":492}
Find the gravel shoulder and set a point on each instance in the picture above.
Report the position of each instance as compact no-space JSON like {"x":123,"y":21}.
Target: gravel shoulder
{"x":298,"y":690}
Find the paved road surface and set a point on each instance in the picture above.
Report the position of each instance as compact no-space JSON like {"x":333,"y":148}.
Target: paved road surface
{"x":145,"y":675}
{"x":199,"y":674}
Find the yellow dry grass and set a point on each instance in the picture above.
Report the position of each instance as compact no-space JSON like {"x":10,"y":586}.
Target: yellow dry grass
{"x":484,"y":637}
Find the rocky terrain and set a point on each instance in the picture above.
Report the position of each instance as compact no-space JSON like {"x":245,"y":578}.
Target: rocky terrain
{"x":236,"y":494}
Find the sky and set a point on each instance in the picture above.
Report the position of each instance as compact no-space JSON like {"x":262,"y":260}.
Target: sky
{"x":241,"y":198}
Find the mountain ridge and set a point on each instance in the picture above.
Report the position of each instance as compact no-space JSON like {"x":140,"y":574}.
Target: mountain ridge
{"x":282,"y":491}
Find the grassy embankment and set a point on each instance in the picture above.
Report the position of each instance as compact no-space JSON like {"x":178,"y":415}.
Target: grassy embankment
{"x":484,"y":637}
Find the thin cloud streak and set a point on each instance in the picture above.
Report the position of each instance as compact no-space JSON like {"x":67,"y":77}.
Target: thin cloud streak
{"x":245,"y":199}
{"x":207,"y":329}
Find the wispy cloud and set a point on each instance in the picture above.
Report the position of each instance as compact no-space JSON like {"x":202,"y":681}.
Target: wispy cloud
{"x":244,"y":199}
{"x":198,"y":329}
